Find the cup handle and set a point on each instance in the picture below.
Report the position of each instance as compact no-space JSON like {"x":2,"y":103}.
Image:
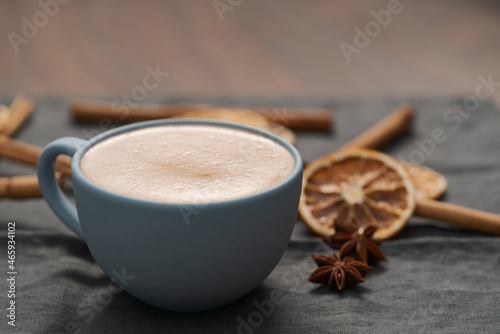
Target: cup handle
{"x":56,"y":199}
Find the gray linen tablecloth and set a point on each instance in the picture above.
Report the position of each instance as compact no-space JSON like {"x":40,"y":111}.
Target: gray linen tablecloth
{"x":437,"y":278}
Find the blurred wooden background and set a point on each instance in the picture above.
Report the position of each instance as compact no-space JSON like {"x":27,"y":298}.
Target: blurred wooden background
{"x":261,"y":48}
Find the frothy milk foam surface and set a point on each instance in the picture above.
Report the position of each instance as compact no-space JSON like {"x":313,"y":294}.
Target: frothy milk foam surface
{"x":187,"y":163}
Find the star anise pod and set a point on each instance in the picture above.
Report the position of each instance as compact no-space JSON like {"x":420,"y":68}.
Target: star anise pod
{"x":343,"y":272}
{"x":357,"y":239}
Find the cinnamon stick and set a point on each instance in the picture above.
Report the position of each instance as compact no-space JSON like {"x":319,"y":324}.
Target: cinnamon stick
{"x":27,"y":153}
{"x":393,"y":126}
{"x":4,"y":117}
{"x":25,"y":186}
{"x":19,"y":187}
{"x":318,"y":120}
{"x":385,"y":130}
{"x":295,"y":119}
{"x":458,"y":215}
{"x":19,"y":111}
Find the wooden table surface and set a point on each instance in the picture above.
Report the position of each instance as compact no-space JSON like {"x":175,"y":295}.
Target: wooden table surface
{"x":248,"y":47}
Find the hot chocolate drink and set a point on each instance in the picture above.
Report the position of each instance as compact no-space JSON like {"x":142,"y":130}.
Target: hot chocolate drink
{"x":187,"y":163}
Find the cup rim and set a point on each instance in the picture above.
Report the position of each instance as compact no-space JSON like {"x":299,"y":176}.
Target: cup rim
{"x":77,"y":173}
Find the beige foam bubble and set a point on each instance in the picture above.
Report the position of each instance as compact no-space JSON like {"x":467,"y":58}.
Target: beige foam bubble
{"x":187,"y":163}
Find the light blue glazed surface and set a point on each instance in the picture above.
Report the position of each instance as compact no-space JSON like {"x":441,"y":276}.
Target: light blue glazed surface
{"x":182,"y":257}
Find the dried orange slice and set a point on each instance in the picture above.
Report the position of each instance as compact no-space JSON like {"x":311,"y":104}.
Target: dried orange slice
{"x":283,"y":132}
{"x":232,"y":115}
{"x":241,"y":116}
{"x":356,"y":183}
{"x":427,"y":182}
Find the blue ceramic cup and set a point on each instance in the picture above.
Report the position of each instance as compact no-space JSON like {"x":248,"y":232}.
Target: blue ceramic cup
{"x":178,"y":257}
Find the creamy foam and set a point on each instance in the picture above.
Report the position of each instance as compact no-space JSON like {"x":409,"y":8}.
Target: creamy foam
{"x":187,"y":163}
